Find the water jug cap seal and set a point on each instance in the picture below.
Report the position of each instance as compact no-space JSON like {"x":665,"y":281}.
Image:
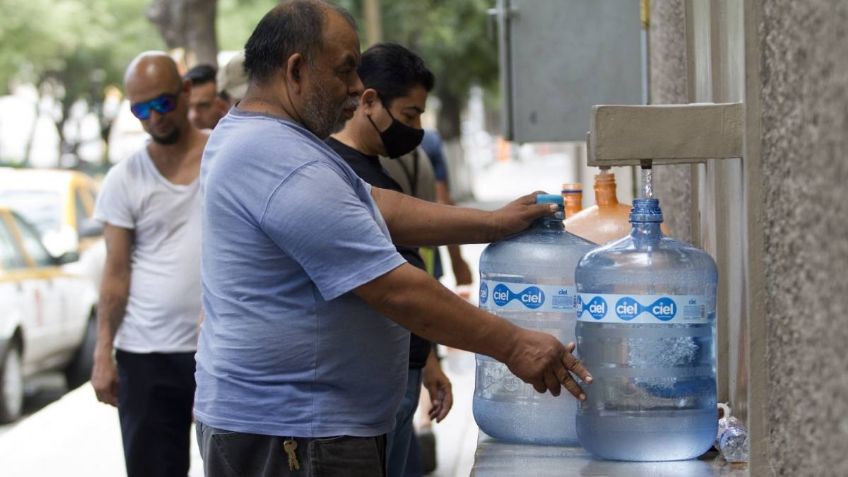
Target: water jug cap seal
{"x":549,"y":199}
{"x":646,"y":210}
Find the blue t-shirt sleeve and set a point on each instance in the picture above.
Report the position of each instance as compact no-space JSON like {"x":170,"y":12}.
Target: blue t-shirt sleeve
{"x":316,"y":216}
{"x":432,"y":145}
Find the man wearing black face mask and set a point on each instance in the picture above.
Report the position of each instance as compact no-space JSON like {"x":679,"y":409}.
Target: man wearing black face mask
{"x":388,"y":123}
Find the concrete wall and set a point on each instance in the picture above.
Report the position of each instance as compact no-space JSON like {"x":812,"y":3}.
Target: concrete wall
{"x":668,"y":86}
{"x":803,"y":155}
{"x":804,"y":98}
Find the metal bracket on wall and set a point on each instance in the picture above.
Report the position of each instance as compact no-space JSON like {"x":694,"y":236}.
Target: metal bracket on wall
{"x":665,"y":134}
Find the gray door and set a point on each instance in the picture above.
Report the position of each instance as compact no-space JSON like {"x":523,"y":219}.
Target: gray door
{"x":558,"y":58}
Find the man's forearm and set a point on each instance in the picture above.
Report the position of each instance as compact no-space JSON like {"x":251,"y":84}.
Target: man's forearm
{"x":443,"y":193}
{"x":419,"y":303}
{"x":416,"y":222}
{"x":454,"y":253}
{"x":110,"y":314}
{"x":432,"y":359}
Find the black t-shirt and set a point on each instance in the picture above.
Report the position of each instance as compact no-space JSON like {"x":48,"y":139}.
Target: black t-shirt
{"x":368,"y":168}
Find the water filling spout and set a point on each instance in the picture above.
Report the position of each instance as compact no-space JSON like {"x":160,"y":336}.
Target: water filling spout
{"x":647,"y":180}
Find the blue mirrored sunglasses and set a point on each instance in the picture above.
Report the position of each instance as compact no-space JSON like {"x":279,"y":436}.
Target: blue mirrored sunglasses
{"x":162,"y":104}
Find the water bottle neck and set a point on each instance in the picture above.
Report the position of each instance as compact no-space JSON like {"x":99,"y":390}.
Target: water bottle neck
{"x":605,"y":189}
{"x":646,"y":233}
{"x":572,"y":197}
{"x":550,"y":222}
{"x":646,"y":217}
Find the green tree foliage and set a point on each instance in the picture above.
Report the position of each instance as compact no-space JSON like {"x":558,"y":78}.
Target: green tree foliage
{"x":451,"y":34}
{"x":237,"y":19}
{"x":453,"y":38}
{"x":74,"y":41}
{"x":71,"y":49}
{"x":75,"y":49}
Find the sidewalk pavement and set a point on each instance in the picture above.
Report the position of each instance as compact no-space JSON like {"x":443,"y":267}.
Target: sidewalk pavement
{"x":78,"y":436}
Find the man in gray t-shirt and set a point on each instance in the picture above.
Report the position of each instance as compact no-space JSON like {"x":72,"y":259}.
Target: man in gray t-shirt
{"x":307,"y":303}
{"x":150,"y":294}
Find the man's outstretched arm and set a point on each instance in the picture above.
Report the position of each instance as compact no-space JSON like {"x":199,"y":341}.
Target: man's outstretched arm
{"x":416,"y":222}
{"x":418,"y":302}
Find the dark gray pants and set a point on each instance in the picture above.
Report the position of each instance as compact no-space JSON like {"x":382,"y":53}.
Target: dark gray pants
{"x":235,"y":454}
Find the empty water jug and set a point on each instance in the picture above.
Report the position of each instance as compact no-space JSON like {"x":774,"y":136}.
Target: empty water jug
{"x":608,"y":219}
{"x":529,"y":279}
{"x":646,"y":329}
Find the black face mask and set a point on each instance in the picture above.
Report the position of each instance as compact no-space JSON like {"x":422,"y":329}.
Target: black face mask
{"x":399,"y":139}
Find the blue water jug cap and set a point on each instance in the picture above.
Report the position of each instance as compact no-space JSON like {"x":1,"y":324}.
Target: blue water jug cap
{"x":549,"y":199}
{"x":646,"y":210}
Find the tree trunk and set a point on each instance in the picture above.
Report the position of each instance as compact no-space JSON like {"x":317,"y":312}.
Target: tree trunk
{"x":190,"y":25}
{"x":105,"y":130}
{"x":449,"y":120}
{"x":31,"y":138}
{"x":449,"y":126}
{"x":64,"y":146}
{"x":202,"y":41}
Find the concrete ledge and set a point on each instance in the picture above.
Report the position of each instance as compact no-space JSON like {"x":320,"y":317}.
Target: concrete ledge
{"x":666,"y":134}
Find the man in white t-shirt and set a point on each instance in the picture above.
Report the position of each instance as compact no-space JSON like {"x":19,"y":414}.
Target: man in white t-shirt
{"x":150,"y":296}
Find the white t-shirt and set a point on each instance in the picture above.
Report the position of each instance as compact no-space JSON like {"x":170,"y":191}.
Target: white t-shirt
{"x":164,"y":302}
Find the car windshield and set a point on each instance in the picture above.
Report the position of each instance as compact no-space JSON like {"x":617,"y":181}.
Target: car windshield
{"x":40,"y":208}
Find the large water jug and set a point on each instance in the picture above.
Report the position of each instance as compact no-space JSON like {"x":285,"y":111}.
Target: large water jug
{"x":528,"y":279}
{"x":646,"y":330}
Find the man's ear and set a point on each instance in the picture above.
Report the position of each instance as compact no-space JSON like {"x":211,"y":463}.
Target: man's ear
{"x":294,"y":71}
{"x":369,"y":99}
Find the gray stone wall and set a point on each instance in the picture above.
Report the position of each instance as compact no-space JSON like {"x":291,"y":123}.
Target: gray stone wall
{"x":805,"y":160}
{"x":672,"y":184}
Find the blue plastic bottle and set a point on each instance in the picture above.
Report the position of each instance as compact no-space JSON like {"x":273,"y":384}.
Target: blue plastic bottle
{"x":645,"y":330}
{"x":529,"y":279}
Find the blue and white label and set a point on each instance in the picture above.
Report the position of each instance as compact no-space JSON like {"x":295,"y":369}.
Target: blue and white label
{"x":484,"y":293}
{"x":497,"y":296}
{"x":671,"y":309}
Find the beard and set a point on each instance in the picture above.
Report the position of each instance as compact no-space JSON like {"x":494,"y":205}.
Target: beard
{"x":168,"y":138}
{"x":322,"y":115}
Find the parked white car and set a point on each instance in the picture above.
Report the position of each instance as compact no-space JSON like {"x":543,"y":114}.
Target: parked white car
{"x":47,"y":313}
{"x":60,"y":205}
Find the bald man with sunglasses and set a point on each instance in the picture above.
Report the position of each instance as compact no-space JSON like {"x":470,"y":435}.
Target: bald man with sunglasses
{"x":150,"y":296}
